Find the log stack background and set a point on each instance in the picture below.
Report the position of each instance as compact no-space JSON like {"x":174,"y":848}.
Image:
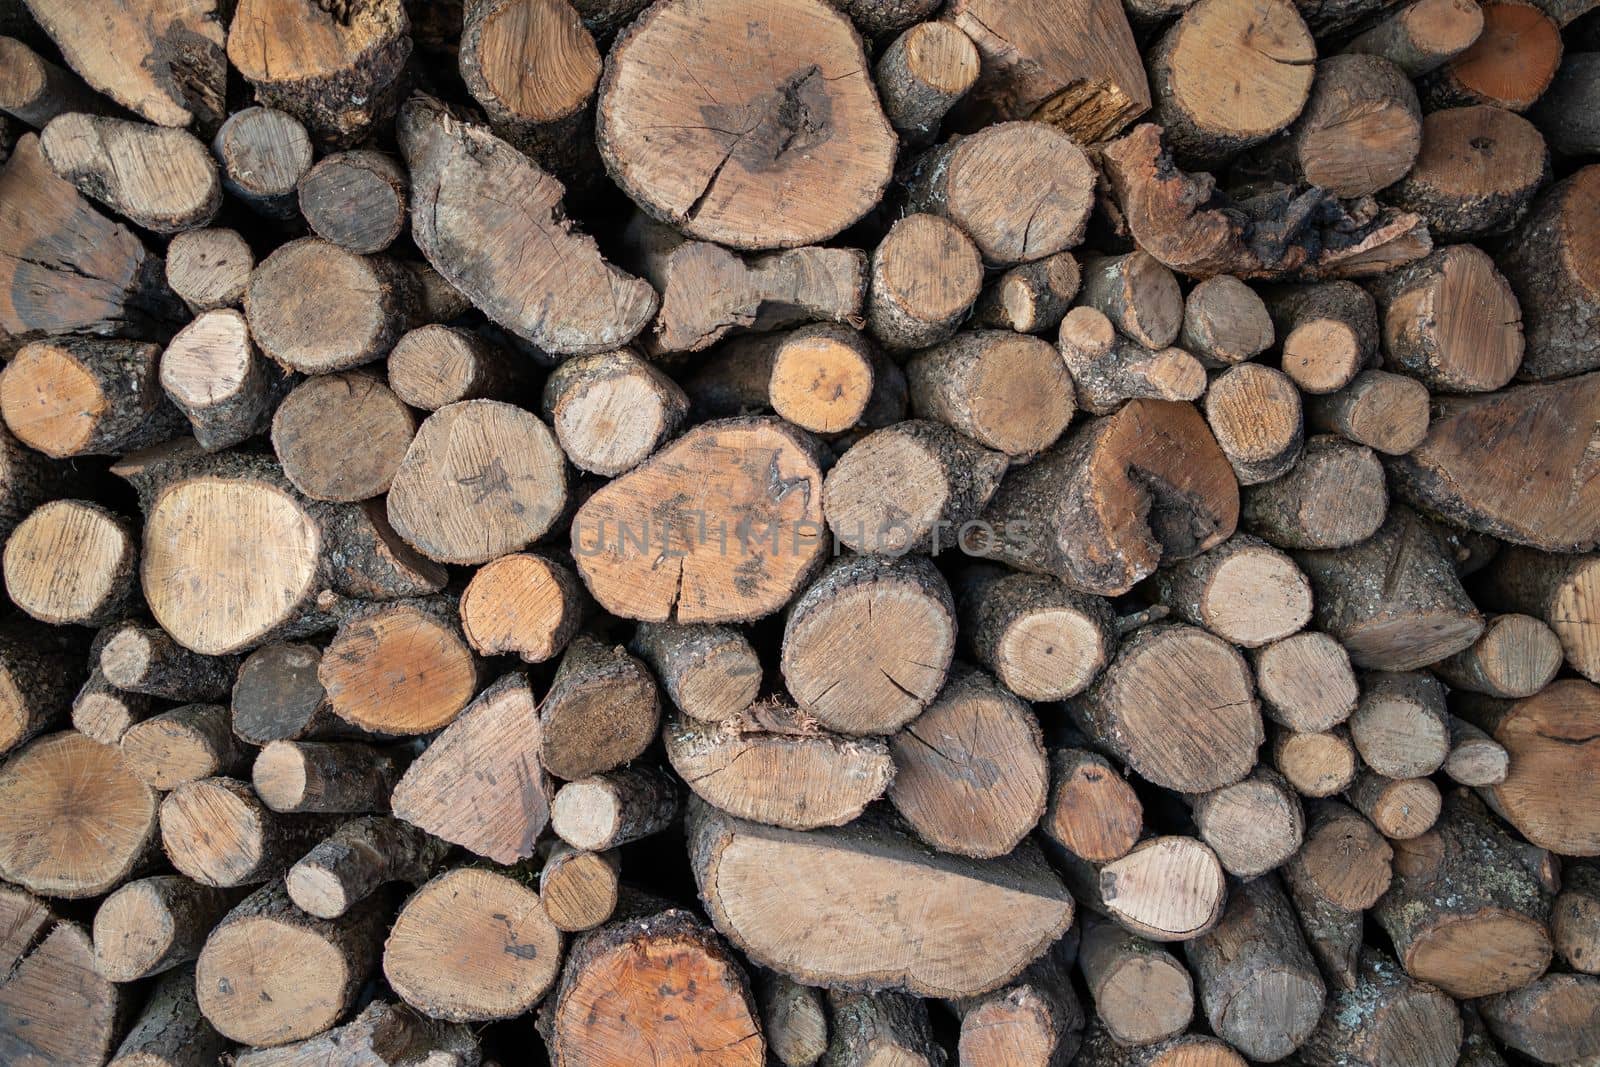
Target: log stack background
{"x":891,"y":532}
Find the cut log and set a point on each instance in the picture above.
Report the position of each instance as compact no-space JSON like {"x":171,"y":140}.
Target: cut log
{"x":170,"y":1031}
{"x":1177,"y":706}
{"x":1400,"y":725}
{"x":1475,"y":759}
{"x":972,"y":181}
{"x":310,"y":776}
{"x":1478,"y":1048}
{"x":1562,"y":113}
{"x":924,"y":278}
{"x":823,"y":375}
{"x":1334,"y":497}
{"x":381,"y":1032}
{"x":472,"y":945}
{"x":1510,"y":65}
{"x":794,"y":1018}
{"x":153,"y":925}
{"x":342,"y":437}
{"x":1008,"y":392}
{"x":1575,"y":918}
{"x":1243,"y":590}
{"x":71,"y":562}
{"x":1030,"y":297}
{"x":1100,"y":1049}
{"x":921,"y":75}
{"x":356,"y":859}
{"x":1138,"y":294}
{"x":213,"y":373}
{"x":711,"y":672}
{"x":1253,"y":826}
{"x":1422,"y":36}
{"x":771,"y":765}
{"x":1036,"y":1020}
{"x":831,"y":916}
{"x":1384,"y":1018}
{"x":738,"y":502}
{"x":29,"y":480}
{"x":55,"y":1008}
{"x":270,"y":974}
{"x":160,"y":178}
{"x":495,"y":740}
{"x":276,"y":696}
{"x":40,"y":673}
{"x":579,"y":889}
{"x":357,"y":200}
{"x":103,"y":712}
{"x":1385,"y":412}
{"x":79,"y":396}
{"x":1108,"y":369}
{"x":185,"y":744}
{"x":314,"y":307}
{"x":1451,"y":321}
{"x":1477,"y":173}
{"x":808,"y":120}
{"x":1516,"y":657}
{"x":1464,"y":913}
{"x":1165,"y":889}
{"x":1400,"y":808}
{"x":218,"y":833}
{"x":569,"y":303}
{"x":1344,"y":862}
{"x":1142,"y":994}
{"x":661,"y":987}
{"x":400,"y":668}
{"x":869,"y":1028}
{"x":866,"y":647}
{"x":1093,"y":813}
{"x":601,"y":711}
{"x":1225,"y":322}
{"x":1551,"y":268}
{"x":143,"y":659}
{"x":1320,"y":764}
{"x":1359,"y":132}
{"x":1555,"y":1019}
{"x":615,"y":808}
{"x":1556,"y":588}
{"x":35,"y":90}
{"x":1329,"y":331}
{"x":877,"y":19}
{"x":1305,"y":681}
{"x":436,"y":365}
{"x":611,"y":410}
{"x":1043,"y":640}
{"x":264,"y":153}
{"x":524,"y":603}
{"x":1102,"y":509}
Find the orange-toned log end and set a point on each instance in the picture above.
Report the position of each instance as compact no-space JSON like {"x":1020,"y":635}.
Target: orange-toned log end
{"x":402,"y":669}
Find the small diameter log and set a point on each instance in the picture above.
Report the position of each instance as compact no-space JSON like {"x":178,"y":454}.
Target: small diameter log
{"x":1478,"y":170}
{"x":169,"y":1030}
{"x":54,"y":1008}
{"x":1178,"y":706}
{"x":1244,"y":590}
{"x":772,"y":765}
{"x":71,"y":561}
{"x":1254,"y":413}
{"x":1035,"y":1020}
{"x":1258,"y":983}
{"x":264,"y":153}
{"x":28,"y":480}
{"x":867,"y":646}
{"x":380,"y":1028}
{"x":276,"y":696}
{"x":921,"y":75}
{"x":523,"y":603}
{"x":1575,"y":918}
{"x":209,"y":268}
{"x":606,"y":811}
{"x":310,"y":776}
{"x":435,"y":365}
{"x":1478,"y":1048}
{"x":1083,"y":512}
{"x":1451,"y":321}
{"x":601,"y":711}
{"x":662,"y":986}
{"x":1464,"y":913}
{"x":966,"y":180}
{"x":1165,"y":889}
{"x":1385,"y":412}
{"x":472,"y":945}
{"x":1321,"y":764}
{"x":75,"y":821}
{"x":711,"y":672}
{"x":579,"y":889}
{"x":1343,"y":863}
{"x":1359,"y":131}
{"x":1030,"y":297}
{"x":1217,"y":89}
{"x":270,"y":974}
{"x":1393,"y":601}
{"x":218,"y":833}
{"x":1384,"y":1017}
{"x":1108,"y":369}
{"x":794,"y":1018}
{"x":1137,"y":293}
{"x":1562,"y":113}
{"x":1100,"y":1049}
{"x":1142,"y":993}
{"x":925,"y":276}
{"x":352,"y":862}
{"x":1551,"y":268}
{"x":160,"y":178}
{"x":1305,"y":681}
{"x":103,"y":712}
{"x":399,"y":668}
{"x":1510,"y":65}
{"x":185,"y":744}
{"x":78,"y":396}
{"x":869,"y":1028}
{"x":1422,"y":36}
{"x":1516,"y":657}
{"x":1093,"y":813}
{"x":213,"y":373}
{"x":35,"y":90}
{"x":357,"y":200}
{"x":1334,"y":497}
{"x":155,"y":924}
{"x":1558,"y":589}
{"x":612,"y":409}
{"x":342,"y":437}
{"x":1009,"y":392}
{"x":1401,"y":808}
{"x":496,"y":738}
{"x":1225,"y":322}
{"x":1043,"y":640}
{"x":1400,"y":725}
{"x":1475,"y":758}
{"x":1253,"y":826}
{"x":144,"y":659}
{"x":1329,"y":332}
{"x":40,"y":675}
{"x":1555,"y":1019}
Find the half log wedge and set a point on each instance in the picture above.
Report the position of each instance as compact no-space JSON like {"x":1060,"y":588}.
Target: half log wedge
{"x":54,"y":1007}
{"x":571,"y":302}
{"x":830,"y":907}
{"x":1168,"y":888}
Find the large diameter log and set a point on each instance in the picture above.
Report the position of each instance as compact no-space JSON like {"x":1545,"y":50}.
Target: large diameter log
{"x":1478,"y":170}
{"x":54,"y":1007}
{"x":1167,"y":888}
{"x":1551,"y":263}
{"x":1555,"y":1019}
{"x":1385,"y":1018}
{"x":825,"y":906}
{"x":154,"y":924}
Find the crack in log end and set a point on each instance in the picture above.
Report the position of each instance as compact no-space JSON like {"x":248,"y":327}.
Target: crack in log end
{"x":795,"y":117}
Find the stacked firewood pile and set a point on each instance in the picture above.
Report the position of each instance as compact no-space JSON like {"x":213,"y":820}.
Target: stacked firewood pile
{"x":883,"y":533}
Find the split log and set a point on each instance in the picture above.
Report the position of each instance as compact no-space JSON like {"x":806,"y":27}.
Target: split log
{"x":71,"y":562}
{"x":270,"y":974}
{"x":611,"y":410}
{"x":1555,"y":1019}
{"x":218,"y":833}
{"x":771,"y":765}
{"x":399,"y":668}
{"x":185,"y":744}
{"x":379,"y":1033}
{"x":1253,"y":826}
{"x":81,"y":396}
{"x":54,"y":1008}
{"x":472,"y":237}
{"x":309,"y":776}
{"x":1510,"y":65}
{"x":277,"y":697}
{"x":1104,"y":507}
{"x":1575,"y":918}
{"x":972,"y":181}
{"x":1400,"y":725}
{"x":103,"y":712}
{"x":75,"y":821}
{"x":832,"y":918}
{"x":1030,"y":297}
{"x":1329,"y":331}
{"x":1393,"y":601}
{"x":1562,"y":114}
{"x":1138,"y":294}
{"x":1384,"y":1017}
{"x":1516,"y":657}
{"x":1475,"y":759}
{"x":1305,"y":682}
{"x":1142,"y":994}
{"x":35,"y":90}
{"x":170,"y":1031}
{"x":1359,"y":132}
{"x":868,"y":1028}
{"x":661,"y":987}
{"x":1225,"y":322}
{"x":40,"y":673}
{"x":601,"y":711}
{"x":1549,"y":265}
{"x":1464,"y":913}
{"x":1243,"y":590}
{"x":794,"y":1018}
{"x":144,"y":659}
{"x":1108,"y":369}
{"x":356,"y":859}
{"x":1558,"y":589}
{"x":615,"y":808}
{"x":1043,"y":640}
{"x":357,"y":200}
{"x":1165,"y":889}
{"x":495,"y":739}
{"x":1386,"y":412}
{"x":925,"y":276}
{"x":1422,"y":36}
{"x":711,"y":672}
{"x":153,"y":925}
{"x":472,"y":945}
{"x":1035,"y":1020}
{"x":213,"y":373}
{"x":1320,"y":764}
{"x":435,"y":365}
{"x":1009,"y":392}
{"x":743,"y":517}
{"x":342,"y":437}
{"x":1093,"y":813}
{"x":524,"y":603}
{"x":209,"y":268}
{"x":1334,"y":497}
{"x":867,"y":646}
{"x":1400,"y":808}
{"x":921,"y":75}
{"x":264,"y":153}
{"x":579,"y":889}
{"x":1477,"y":173}
{"x":1451,"y":321}
{"x":337,"y":69}
{"x":160,"y":178}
